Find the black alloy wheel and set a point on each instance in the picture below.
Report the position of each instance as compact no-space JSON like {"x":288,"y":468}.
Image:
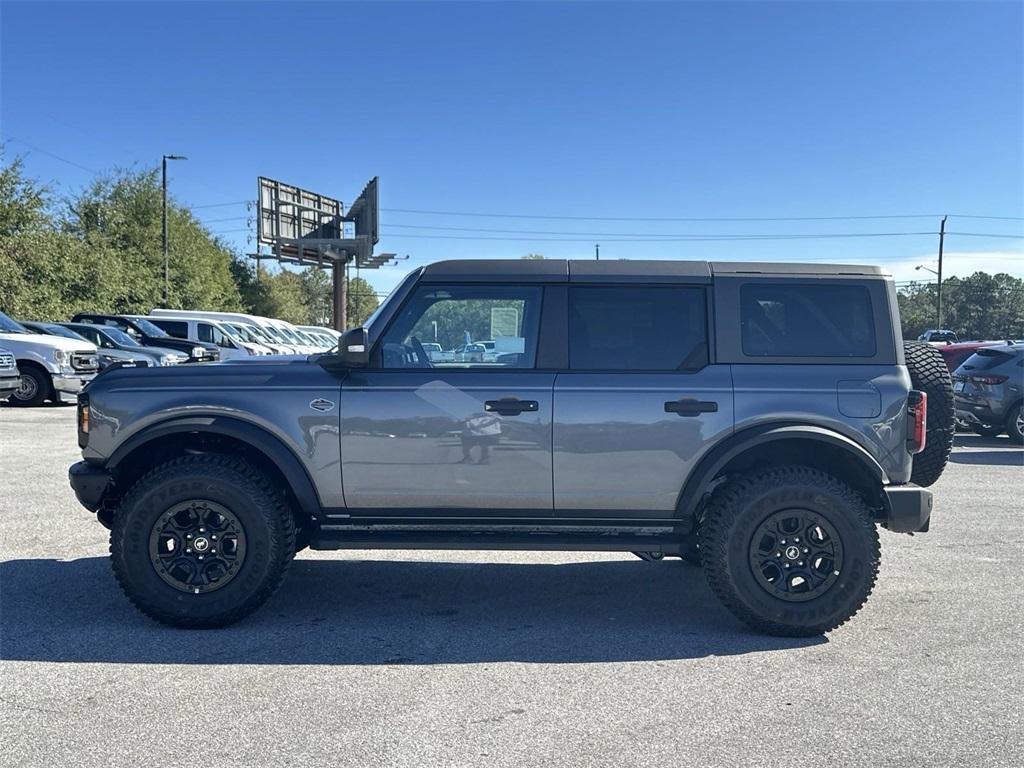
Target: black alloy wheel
{"x":796,"y":555}
{"x":197,"y":546}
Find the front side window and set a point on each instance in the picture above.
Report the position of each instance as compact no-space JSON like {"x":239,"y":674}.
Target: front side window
{"x":465,"y":326}
{"x":637,"y":328}
{"x":212,"y":335}
{"x":806,"y":320}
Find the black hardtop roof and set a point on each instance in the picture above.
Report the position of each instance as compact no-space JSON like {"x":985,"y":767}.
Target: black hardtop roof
{"x":565,"y":270}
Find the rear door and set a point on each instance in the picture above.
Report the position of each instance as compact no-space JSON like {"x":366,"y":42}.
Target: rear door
{"x":640,"y":402}
{"x":445,"y":434}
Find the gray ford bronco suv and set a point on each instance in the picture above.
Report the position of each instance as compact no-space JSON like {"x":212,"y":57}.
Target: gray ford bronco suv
{"x":758,"y":419}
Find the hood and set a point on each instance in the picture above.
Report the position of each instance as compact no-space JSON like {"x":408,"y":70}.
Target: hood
{"x":12,"y":340}
{"x":156,"y":351}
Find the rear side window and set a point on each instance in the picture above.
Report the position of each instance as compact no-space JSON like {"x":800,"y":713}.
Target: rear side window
{"x":806,"y":320}
{"x":173,"y":327}
{"x":637,"y":328}
{"x":986,"y":359}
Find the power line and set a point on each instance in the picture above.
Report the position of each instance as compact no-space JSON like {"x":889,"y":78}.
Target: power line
{"x":51,"y":154}
{"x":230,"y":218}
{"x":659,"y":218}
{"x":220,"y":205}
{"x":703,"y":235}
{"x":986,"y":234}
{"x":669,"y":239}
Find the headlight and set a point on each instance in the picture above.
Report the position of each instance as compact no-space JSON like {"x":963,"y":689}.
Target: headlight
{"x":168,"y":359}
{"x":58,"y":356}
{"x":198,"y":352}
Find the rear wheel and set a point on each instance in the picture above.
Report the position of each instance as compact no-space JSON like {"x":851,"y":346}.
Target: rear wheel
{"x":34,"y":388}
{"x":201,"y":541}
{"x":790,"y":551}
{"x":929,"y":374}
{"x":1015,"y":424}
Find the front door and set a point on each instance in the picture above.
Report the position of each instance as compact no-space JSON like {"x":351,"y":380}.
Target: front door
{"x":452,"y":414}
{"x":639,"y":404}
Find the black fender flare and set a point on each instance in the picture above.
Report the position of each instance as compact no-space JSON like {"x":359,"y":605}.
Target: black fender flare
{"x":740,"y":442}
{"x":298,"y":479}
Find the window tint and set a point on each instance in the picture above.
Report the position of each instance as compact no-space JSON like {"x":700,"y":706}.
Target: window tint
{"x":175,"y":328}
{"x":465,"y":326}
{"x":212,"y":334}
{"x":638,"y":328}
{"x":806,"y":320}
{"x":986,"y":359}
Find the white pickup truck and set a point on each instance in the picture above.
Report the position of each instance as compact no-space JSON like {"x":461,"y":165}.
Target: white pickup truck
{"x":48,"y":365}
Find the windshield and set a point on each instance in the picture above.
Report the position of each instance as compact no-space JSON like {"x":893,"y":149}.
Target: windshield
{"x":245,"y":333}
{"x":119,"y":337}
{"x":149,"y":329}
{"x":9,"y":326}
{"x":273,"y":333}
{"x":67,"y":333}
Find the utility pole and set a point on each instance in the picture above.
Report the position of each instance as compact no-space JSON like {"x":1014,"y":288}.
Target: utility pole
{"x":340,"y":294}
{"x":597,"y":251}
{"x":167,"y":261}
{"x":938,"y":300}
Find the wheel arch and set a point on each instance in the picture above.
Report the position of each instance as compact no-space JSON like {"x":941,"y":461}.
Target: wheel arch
{"x":804,"y":444}
{"x":162,"y":441}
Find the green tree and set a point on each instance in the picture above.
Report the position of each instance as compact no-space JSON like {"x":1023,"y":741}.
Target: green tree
{"x":23,"y":201}
{"x":122,"y":213}
{"x":362,"y":301}
{"x":981,"y":306}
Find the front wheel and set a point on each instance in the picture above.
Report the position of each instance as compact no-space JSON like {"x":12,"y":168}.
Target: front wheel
{"x":790,"y":551}
{"x":201,"y":541}
{"x":33,"y":388}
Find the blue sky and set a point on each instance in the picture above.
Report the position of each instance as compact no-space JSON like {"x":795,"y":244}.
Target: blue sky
{"x":615,"y":112}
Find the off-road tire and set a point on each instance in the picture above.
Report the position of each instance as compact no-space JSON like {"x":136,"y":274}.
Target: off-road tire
{"x":733,"y":516}
{"x":40,"y":383}
{"x":1015,"y":424}
{"x":236,"y":485}
{"x":929,"y":374}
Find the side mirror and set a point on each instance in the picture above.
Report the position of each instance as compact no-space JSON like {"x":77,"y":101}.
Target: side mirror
{"x":354,"y":349}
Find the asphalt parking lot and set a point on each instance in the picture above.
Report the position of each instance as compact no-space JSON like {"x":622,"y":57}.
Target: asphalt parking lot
{"x":507,"y":659}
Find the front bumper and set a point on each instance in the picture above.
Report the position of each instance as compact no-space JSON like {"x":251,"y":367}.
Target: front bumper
{"x":9,"y":383}
{"x":72,"y":383}
{"x":90,"y":484}
{"x":909,"y":508}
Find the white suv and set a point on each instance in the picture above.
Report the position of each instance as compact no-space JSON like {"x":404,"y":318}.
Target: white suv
{"x":48,"y":365}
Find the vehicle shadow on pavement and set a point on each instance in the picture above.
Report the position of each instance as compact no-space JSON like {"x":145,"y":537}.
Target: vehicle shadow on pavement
{"x":996,"y":450}
{"x":1008,"y":457}
{"x":389,"y":612}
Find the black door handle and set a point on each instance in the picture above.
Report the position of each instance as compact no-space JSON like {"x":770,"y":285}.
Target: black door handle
{"x":510,"y":406}
{"x":689,"y":407}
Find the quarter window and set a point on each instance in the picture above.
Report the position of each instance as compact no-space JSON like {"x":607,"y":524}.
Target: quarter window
{"x":806,"y":320}
{"x":465,"y":326}
{"x":637,"y":328}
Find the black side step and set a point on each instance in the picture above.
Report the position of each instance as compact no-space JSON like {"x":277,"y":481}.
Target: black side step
{"x":664,"y":539}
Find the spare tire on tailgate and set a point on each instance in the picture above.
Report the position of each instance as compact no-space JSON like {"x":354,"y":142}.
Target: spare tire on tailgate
{"x":929,"y":374}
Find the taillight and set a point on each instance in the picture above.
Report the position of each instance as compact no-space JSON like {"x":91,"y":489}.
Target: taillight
{"x":917,"y":428}
{"x":83,"y":419}
{"x":989,"y":379}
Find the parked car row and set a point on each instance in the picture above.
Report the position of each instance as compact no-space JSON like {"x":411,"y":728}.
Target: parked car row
{"x":41,"y":360}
